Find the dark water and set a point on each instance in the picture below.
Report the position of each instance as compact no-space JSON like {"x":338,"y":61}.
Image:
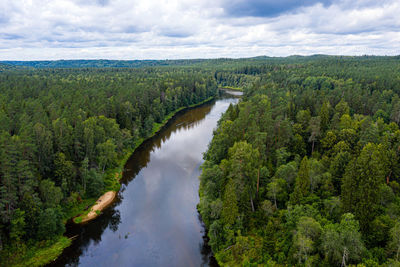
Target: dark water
{"x":154,"y":221}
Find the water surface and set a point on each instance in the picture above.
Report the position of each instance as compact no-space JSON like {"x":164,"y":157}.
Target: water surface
{"x":154,"y":221}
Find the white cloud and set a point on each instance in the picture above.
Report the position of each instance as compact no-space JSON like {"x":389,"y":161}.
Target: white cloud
{"x":122,"y":29}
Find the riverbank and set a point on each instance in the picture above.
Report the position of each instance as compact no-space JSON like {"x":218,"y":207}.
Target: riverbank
{"x":38,"y":254}
{"x":103,"y":202}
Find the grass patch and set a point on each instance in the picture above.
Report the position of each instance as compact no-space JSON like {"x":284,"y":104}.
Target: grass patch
{"x":111,"y":180}
{"x":78,"y":219}
{"x":48,"y":254}
{"x":82,"y":210}
{"x":79,"y":208}
{"x":40,"y":254}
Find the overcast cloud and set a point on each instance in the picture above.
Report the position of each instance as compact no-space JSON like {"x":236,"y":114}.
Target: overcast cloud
{"x":172,"y":29}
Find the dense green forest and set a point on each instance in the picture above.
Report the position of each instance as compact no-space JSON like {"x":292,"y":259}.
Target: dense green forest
{"x":62,"y":130}
{"x":305,"y":169}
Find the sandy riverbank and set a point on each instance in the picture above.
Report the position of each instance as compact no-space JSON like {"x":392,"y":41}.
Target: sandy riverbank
{"x":103,"y":202}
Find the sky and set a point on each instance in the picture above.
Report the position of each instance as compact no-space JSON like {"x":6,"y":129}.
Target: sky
{"x":177,"y":29}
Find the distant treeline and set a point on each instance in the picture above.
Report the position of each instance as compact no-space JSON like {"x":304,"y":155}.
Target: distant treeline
{"x":219,"y":63}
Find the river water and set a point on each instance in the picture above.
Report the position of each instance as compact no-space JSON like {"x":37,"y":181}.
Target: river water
{"x":154,"y":221}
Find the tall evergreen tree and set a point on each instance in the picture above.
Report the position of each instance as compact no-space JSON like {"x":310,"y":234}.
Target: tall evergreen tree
{"x":302,"y":184}
{"x":360,"y":183}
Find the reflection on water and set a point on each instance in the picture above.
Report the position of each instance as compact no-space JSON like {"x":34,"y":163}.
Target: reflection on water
{"x":233,"y":92}
{"x":183,"y":122}
{"x":154,"y":221}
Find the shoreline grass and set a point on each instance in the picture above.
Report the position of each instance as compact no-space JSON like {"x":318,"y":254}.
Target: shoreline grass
{"x":39,"y":254}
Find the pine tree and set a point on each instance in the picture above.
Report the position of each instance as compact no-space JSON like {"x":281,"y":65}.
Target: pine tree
{"x":360,"y":183}
{"x":244,"y":162}
{"x":302,"y":184}
{"x":229,"y":208}
{"x":324,"y":115}
{"x":315,"y":130}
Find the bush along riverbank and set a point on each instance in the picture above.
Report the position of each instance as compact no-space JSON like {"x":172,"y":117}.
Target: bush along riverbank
{"x":65,"y":144}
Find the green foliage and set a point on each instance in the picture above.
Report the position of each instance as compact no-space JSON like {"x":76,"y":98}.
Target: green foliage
{"x":39,"y":255}
{"x":95,"y":184}
{"x":246,"y":250}
{"x":229,"y":205}
{"x":242,"y":166}
{"x":221,"y":142}
{"x":274,"y":188}
{"x":17,"y":230}
{"x":107,"y":155}
{"x":50,"y":223}
{"x":287,"y":172}
{"x":302,"y":184}
{"x":65,"y":173}
{"x":307,"y":234}
{"x":50,"y":194}
{"x":326,"y":132}
{"x":64,"y":132}
{"x":321,"y":129}
{"x":342,"y":242}
{"x":360,"y":182}
{"x":395,"y":239}
{"x":325,"y":116}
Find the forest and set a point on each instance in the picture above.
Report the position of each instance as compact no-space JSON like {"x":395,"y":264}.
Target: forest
{"x":304,"y":170}
{"x":63,"y":131}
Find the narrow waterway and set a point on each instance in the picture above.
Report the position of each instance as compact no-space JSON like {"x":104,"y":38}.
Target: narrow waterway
{"x":154,"y":221}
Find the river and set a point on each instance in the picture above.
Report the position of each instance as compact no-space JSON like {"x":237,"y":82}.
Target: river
{"x":154,"y":221}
